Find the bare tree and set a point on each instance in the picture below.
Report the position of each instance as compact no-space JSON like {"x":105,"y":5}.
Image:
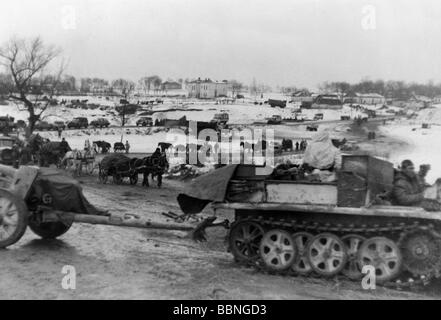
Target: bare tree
{"x":236,"y":87}
{"x":126,"y":87}
{"x":27,"y":61}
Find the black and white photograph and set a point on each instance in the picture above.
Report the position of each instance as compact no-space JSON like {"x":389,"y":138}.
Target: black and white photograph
{"x":220,"y":150}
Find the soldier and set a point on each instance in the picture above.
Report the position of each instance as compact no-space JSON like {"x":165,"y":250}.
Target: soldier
{"x":64,"y":146}
{"x":127,"y":146}
{"x":407,"y":190}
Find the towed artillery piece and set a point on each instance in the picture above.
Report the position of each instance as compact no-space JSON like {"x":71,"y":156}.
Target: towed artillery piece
{"x":49,"y":202}
{"x":305,"y":227}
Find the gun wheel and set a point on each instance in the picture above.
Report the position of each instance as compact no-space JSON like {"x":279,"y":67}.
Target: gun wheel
{"x":13,"y":218}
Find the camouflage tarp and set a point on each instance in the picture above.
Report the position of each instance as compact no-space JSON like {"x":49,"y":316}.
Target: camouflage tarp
{"x":67,"y":194}
{"x":115,"y":161}
{"x":205,"y":189}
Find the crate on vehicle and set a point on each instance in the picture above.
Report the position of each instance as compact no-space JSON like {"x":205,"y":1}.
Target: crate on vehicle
{"x":362,"y":178}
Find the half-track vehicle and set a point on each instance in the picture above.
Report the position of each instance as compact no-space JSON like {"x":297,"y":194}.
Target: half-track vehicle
{"x":306,"y":226}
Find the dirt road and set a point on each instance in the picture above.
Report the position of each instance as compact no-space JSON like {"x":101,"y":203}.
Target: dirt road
{"x":115,"y":262}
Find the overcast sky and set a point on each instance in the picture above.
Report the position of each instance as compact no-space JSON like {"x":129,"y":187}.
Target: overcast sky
{"x":279,"y":42}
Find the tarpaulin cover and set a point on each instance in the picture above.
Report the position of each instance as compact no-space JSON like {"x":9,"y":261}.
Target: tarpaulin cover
{"x":114,"y":161}
{"x":205,"y":189}
{"x":66,"y":192}
{"x":321,"y":153}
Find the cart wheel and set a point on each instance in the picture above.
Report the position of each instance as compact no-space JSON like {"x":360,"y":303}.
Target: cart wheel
{"x":134,"y":179}
{"x":102,"y":175}
{"x":13,"y":218}
{"x":49,"y":230}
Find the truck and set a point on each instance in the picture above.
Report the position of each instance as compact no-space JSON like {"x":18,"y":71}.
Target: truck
{"x":78,"y":123}
{"x":6,"y":154}
{"x":275,"y":119}
{"x":7,"y":124}
{"x":318,"y":116}
{"x":277,"y":103}
{"x":222,"y":118}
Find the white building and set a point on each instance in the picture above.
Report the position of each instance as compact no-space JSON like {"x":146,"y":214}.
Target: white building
{"x":369,"y":98}
{"x":207,"y":89}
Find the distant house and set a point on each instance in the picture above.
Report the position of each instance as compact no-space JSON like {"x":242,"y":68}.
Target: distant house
{"x":419,"y":102}
{"x":437,"y":100}
{"x":301,"y":96}
{"x":327,"y":101}
{"x":207,"y":89}
{"x":171,"y":85}
{"x":368,"y":98}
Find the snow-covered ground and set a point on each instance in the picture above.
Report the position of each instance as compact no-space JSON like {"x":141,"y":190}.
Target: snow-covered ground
{"x":424,"y":146}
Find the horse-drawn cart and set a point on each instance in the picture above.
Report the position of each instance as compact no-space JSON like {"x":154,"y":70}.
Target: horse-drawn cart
{"x":50,"y":202}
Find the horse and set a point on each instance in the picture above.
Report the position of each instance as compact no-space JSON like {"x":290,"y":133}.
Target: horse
{"x":152,"y":165}
{"x":164,"y":146}
{"x":46,"y":152}
{"x":75,"y":159}
{"x":102,"y":146}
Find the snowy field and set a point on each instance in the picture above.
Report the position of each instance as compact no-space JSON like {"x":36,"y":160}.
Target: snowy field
{"x":423,"y":148}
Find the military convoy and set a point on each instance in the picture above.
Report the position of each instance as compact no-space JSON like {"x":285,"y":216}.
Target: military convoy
{"x":307,"y":226}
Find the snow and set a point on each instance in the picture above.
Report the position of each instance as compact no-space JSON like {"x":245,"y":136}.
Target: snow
{"x":423,"y":146}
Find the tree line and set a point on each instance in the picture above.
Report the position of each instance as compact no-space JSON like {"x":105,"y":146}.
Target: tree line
{"x":390,"y":89}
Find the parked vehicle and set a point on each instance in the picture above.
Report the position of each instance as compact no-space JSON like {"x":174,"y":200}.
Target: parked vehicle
{"x":345,"y":117}
{"x":100,"y":123}
{"x":277,"y":103}
{"x":44,"y":126}
{"x":312,"y":127}
{"x":221,"y":117}
{"x":275,"y":119}
{"x":144,"y":122}
{"x":6,"y":144}
{"x":59,"y":125}
{"x":78,"y":123}
{"x":318,"y":116}
{"x":7,"y":124}
{"x":278,"y":148}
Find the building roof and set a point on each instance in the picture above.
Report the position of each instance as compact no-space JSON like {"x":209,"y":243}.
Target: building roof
{"x":421,"y":98}
{"x":369,"y":95}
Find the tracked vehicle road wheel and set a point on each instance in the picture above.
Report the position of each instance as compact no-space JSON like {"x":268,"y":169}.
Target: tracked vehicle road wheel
{"x":352,"y":269}
{"x":244,"y":240}
{"x":421,"y":250}
{"x":13,"y":218}
{"x":301,"y":264}
{"x":384,"y":255}
{"x":327,"y":254}
{"x":277,"y":250}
